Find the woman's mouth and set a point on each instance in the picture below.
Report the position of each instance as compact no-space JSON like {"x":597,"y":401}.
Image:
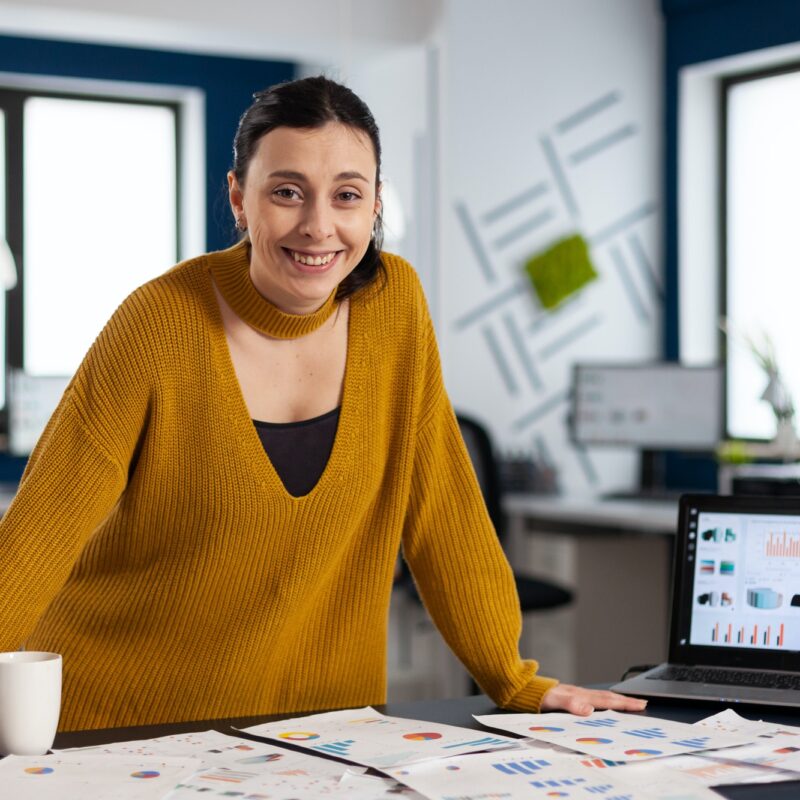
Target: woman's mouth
{"x":313,"y":260}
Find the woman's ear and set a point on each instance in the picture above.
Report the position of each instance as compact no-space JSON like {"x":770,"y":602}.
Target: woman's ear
{"x":378,"y":200}
{"x":235,"y":195}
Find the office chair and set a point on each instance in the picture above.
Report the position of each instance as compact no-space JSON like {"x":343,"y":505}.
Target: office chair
{"x":534,"y":594}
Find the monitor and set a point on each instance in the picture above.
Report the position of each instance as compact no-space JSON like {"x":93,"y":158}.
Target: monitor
{"x":654,"y":405}
{"x":31,"y":401}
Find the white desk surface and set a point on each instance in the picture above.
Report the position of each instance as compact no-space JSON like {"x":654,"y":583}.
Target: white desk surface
{"x":636,"y":516}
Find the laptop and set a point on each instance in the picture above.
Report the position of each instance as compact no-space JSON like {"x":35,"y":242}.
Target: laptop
{"x":735,"y":627}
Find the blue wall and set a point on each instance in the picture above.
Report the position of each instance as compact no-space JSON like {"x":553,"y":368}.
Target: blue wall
{"x":228,"y":84}
{"x":696,"y":31}
{"x":701,"y":30}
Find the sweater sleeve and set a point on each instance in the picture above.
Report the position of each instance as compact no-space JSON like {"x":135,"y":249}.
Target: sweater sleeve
{"x":73,"y":478}
{"x":455,"y":557}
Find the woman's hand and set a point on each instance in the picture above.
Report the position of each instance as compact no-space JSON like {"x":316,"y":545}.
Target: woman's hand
{"x":577,"y":700}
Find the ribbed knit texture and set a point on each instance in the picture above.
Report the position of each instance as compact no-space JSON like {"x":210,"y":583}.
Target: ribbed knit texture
{"x":178,"y":577}
{"x":243,"y":297}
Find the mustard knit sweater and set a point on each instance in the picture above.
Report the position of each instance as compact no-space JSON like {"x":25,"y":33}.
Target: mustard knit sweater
{"x":153,"y":544}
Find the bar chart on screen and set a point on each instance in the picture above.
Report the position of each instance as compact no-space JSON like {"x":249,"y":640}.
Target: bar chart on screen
{"x":781,"y":545}
{"x":771,"y":635}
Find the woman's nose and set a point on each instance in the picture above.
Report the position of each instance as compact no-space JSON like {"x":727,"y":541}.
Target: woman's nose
{"x":318,"y":221}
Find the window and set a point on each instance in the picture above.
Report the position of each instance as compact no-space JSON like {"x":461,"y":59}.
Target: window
{"x":94,"y":213}
{"x":761,"y":260}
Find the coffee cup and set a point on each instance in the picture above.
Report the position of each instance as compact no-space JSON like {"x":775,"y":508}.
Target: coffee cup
{"x":30,"y":702}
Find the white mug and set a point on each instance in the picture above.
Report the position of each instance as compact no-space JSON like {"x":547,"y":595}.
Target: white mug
{"x":30,"y":702}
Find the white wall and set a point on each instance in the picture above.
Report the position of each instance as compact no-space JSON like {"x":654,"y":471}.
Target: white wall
{"x":527,"y":85}
{"x":314,"y":30}
{"x":400,"y":88}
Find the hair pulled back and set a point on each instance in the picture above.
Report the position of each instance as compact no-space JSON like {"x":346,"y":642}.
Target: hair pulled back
{"x":312,"y":103}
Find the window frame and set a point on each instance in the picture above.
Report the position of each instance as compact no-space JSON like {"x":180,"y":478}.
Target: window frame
{"x":12,"y":102}
{"x":725,"y":84}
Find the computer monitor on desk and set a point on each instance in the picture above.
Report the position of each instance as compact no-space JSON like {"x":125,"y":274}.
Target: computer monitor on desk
{"x":654,"y":406}
{"x":31,"y":401}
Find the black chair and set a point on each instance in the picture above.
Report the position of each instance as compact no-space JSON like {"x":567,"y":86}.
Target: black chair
{"x":535,"y":594}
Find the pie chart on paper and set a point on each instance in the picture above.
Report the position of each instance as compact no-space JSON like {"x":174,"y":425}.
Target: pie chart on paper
{"x":422,"y":737}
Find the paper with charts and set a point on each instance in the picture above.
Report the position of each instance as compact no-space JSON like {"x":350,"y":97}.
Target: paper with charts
{"x":706,"y":769}
{"x":616,"y":736}
{"x":89,"y":776}
{"x":514,"y":774}
{"x":232,"y":783}
{"x":367,"y":737}
{"x":213,"y":749}
{"x":776,"y":746}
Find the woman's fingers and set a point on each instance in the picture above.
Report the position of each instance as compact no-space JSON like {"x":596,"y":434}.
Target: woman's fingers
{"x":577,"y":700}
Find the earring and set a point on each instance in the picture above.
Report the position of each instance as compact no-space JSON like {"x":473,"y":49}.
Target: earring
{"x":241,"y":225}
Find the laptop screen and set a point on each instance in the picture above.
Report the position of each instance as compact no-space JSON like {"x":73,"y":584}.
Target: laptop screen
{"x":738,"y":582}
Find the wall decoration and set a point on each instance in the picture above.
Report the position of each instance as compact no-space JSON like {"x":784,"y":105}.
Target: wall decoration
{"x":593,"y":270}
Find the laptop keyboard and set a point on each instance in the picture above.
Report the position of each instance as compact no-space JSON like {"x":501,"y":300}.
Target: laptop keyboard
{"x":729,"y":677}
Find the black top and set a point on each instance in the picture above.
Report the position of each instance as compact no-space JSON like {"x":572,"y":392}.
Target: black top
{"x":299,"y":451}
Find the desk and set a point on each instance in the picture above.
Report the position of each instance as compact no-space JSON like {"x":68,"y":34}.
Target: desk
{"x":617,"y":557}
{"x":590,"y":515}
{"x":458,"y":712}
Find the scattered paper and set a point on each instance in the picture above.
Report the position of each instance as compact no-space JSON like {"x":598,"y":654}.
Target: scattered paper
{"x":775,"y":746}
{"x":91,"y":777}
{"x":214,"y":749}
{"x":611,"y":755}
{"x":519,"y":774}
{"x":223,"y":782}
{"x":710,"y":771}
{"x":365,"y":736}
{"x":615,"y":736}
{"x":376,"y":788}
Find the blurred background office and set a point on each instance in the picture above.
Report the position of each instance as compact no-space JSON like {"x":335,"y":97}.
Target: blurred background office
{"x":589,"y":189}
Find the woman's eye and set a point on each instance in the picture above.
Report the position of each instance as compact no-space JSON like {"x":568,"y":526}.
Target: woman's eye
{"x":349,"y":197}
{"x":286,"y":193}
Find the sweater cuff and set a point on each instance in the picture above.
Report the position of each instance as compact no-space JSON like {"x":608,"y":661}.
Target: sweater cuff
{"x":529,"y":697}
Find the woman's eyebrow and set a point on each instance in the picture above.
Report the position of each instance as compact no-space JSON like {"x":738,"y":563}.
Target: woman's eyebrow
{"x":351,"y":175}
{"x":299,"y":176}
{"x":288,"y":174}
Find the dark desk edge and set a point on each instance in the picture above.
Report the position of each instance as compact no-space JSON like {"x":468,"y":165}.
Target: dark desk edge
{"x":456,"y":711}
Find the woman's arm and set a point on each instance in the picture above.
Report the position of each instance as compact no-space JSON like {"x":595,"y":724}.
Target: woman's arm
{"x":73,"y":478}
{"x":461,"y":571}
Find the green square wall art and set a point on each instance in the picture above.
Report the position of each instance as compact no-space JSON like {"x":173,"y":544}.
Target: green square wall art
{"x":561,"y":270}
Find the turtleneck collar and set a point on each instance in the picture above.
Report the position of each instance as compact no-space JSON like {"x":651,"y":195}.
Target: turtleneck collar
{"x":231,"y":271}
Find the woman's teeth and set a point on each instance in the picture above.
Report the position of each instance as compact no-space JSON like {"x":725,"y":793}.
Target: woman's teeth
{"x":312,"y":261}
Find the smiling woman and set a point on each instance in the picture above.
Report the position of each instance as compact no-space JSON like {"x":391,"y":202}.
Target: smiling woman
{"x":209,"y":525}
{"x":309,"y":201}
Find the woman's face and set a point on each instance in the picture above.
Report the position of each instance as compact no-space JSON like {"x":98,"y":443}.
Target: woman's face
{"x":309,"y":202}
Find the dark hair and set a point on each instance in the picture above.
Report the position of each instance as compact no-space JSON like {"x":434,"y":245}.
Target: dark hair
{"x":312,"y":103}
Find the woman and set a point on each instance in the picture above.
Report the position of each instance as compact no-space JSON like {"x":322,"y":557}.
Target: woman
{"x":209,"y":524}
